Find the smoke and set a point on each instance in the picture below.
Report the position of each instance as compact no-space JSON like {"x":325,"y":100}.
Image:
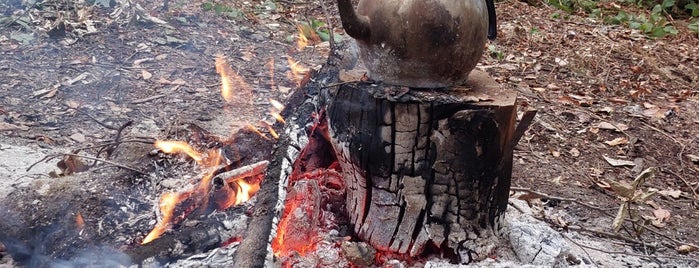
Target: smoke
{"x":33,"y":256}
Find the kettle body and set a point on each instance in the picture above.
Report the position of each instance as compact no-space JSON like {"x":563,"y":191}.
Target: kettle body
{"x":418,"y":43}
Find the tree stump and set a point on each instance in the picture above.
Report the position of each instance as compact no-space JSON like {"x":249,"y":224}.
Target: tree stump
{"x":425,"y":168}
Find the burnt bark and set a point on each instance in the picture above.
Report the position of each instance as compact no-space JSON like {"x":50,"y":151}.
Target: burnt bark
{"x":424,"y":168}
{"x":255,"y":249}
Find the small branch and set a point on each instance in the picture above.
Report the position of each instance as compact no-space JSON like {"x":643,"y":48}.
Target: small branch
{"x":52,"y":156}
{"x":630,"y":254}
{"x":545,"y":196}
{"x":605,"y":234}
{"x":645,"y":227}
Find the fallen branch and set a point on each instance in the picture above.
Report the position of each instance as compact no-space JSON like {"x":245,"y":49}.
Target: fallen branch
{"x":645,"y":227}
{"x":52,"y":156}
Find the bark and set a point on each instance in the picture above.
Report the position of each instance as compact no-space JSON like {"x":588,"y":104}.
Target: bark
{"x":424,"y":168}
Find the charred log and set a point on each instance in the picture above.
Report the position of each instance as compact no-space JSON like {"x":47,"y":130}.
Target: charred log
{"x":424,"y":168}
{"x":255,"y":250}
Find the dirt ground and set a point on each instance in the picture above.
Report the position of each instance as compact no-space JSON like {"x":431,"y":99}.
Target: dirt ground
{"x":611,"y":102}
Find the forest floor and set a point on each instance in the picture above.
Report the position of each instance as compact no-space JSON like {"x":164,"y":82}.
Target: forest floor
{"x":611,"y":101}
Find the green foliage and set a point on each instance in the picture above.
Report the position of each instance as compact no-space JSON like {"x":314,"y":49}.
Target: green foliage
{"x":694,"y":26}
{"x":221,"y":9}
{"x":495,"y":52}
{"x":654,"y":24}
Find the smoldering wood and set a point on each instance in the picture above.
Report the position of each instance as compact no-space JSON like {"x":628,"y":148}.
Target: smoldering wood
{"x":255,"y":249}
{"x":424,"y":168}
{"x":193,"y":236}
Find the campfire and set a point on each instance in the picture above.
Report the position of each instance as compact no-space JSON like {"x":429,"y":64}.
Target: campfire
{"x":332,"y":177}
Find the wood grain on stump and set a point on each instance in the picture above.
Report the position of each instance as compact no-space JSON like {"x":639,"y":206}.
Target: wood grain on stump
{"x":424,"y":167}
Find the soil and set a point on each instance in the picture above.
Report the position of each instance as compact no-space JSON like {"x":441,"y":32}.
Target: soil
{"x":603,"y":93}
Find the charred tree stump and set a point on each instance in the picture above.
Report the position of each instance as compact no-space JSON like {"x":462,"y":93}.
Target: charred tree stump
{"x":425,"y":168}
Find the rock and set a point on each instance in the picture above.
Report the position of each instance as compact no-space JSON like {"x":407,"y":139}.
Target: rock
{"x":359,"y":253}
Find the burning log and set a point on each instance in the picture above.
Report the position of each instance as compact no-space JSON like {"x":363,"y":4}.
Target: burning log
{"x":425,"y":169}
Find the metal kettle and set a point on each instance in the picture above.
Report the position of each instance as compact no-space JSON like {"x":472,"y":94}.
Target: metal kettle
{"x":419,"y":43}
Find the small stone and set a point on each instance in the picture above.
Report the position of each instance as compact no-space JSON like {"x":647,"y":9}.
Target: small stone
{"x":359,"y":253}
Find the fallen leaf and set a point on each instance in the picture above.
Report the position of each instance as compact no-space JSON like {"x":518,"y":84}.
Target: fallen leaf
{"x":685,"y":249}
{"x":671,"y":193}
{"x":73,"y":104}
{"x":78,"y":137}
{"x":574,"y":152}
{"x":610,"y":126}
{"x":693,"y":158}
{"x":661,"y":214}
{"x":7,"y":126}
{"x":617,"y":141}
{"x":556,"y":153}
{"x":622,"y":189}
{"x":146,"y":74}
{"x":618,"y":162}
{"x":620,"y":216}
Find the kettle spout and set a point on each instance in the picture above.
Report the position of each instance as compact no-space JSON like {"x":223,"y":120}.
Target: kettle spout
{"x":356,"y":26}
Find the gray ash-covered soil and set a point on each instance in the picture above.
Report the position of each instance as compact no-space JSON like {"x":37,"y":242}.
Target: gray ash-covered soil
{"x":591,"y":83}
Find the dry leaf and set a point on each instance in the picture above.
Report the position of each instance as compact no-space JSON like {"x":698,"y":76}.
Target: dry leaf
{"x":685,"y":249}
{"x":622,"y":189}
{"x":620,"y":216}
{"x":617,"y":141}
{"x":671,"y":193}
{"x":78,"y":137}
{"x":574,"y":152}
{"x":661,"y":214}
{"x":615,"y":127}
{"x":146,"y":75}
{"x":618,"y":162}
{"x":693,"y":158}
{"x":556,"y":153}
{"x":73,"y":104}
{"x":7,"y":126}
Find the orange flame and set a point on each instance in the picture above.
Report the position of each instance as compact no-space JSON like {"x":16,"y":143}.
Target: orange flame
{"x":301,"y":40}
{"x":229,"y":78}
{"x":178,"y":147}
{"x":298,"y":71}
{"x":276,"y":104}
{"x":270,"y":64}
{"x":245,"y":191}
{"x":79,"y":221}
{"x":167,"y":205}
{"x":254,"y":129}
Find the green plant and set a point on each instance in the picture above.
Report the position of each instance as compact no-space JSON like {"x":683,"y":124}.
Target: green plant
{"x":694,"y":26}
{"x":221,"y":9}
{"x":316,"y":27}
{"x":495,"y":52}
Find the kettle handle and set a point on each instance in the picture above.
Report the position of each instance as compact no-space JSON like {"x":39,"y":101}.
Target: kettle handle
{"x":356,"y":26}
{"x":492,"y":20}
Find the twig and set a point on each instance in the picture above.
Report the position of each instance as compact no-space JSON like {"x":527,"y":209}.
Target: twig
{"x":605,"y":234}
{"x":645,"y":227}
{"x":52,"y":156}
{"x":331,"y":31}
{"x":105,"y":125}
{"x":661,"y":132}
{"x":245,"y":171}
{"x":631,"y":254}
{"x":543,"y":195}
{"x":583,"y":249}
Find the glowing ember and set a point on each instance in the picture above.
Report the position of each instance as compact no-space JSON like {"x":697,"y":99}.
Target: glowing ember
{"x":178,"y":147}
